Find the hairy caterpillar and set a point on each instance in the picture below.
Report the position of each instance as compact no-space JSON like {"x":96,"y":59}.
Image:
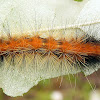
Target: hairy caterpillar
{"x":41,"y":40}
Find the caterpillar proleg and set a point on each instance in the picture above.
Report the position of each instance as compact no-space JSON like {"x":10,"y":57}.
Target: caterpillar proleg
{"x":42,"y":39}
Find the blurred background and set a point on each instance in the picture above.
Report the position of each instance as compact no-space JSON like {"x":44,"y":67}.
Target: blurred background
{"x":69,"y":87}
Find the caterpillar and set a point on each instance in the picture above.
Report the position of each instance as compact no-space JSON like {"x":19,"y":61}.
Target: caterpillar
{"x":42,"y":39}
{"x":76,"y":52}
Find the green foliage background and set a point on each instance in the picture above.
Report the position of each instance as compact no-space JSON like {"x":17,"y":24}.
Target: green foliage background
{"x":78,"y":0}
